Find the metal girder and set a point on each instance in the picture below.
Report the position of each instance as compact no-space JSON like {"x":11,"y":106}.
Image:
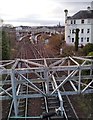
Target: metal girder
{"x":34,"y":86}
{"x":45,"y":71}
{"x":5,"y":91}
{"x":86,"y":58}
{"x":42,"y":69}
{"x":64,"y":81}
{"x":59,"y":96}
{"x":89,"y":91}
{"x":54,"y":67}
{"x":14,"y":86}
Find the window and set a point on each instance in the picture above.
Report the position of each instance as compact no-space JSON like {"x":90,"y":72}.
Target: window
{"x":82,"y":21}
{"x":73,"y":31}
{"x":88,"y":30}
{"x":74,"y":21}
{"x":82,"y":30}
{"x":71,"y":22}
{"x":82,"y":39}
{"x":72,"y":39}
{"x":87,"y":39}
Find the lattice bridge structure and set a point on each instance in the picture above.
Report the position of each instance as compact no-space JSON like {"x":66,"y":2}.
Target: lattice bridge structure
{"x":19,"y":76}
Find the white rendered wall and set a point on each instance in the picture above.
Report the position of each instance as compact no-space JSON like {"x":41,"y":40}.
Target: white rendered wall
{"x":88,"y":24}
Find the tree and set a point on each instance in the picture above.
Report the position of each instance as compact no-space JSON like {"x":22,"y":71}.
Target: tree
{"x":76,"y":39}
{"x":56,"y":41}
{"x":5,"y":46}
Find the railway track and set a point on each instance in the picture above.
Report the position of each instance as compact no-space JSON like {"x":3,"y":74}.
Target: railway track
{"x":51,"y":104}
{"x":47,"y":107}
{"x":69,"y":111}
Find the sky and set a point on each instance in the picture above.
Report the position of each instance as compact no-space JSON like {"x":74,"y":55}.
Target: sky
{"x":39,"y":12}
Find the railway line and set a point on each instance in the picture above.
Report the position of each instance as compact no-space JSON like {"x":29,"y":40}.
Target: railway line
{"x":69,"y":111}
{"x":51,"y":104}
{"x":35,"y":98}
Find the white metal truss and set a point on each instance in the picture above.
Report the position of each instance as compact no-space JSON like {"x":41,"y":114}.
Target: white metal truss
{"x":75,"y":71}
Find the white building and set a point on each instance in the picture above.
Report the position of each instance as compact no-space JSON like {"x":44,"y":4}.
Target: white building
{"x":83,"y":20}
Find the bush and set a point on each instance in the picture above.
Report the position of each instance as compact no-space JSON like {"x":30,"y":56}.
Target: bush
{"x":90,"y":54}
{"x":88,"y":48}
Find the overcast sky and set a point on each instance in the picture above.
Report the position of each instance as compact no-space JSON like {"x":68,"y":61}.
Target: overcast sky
{"x":39,"y":12}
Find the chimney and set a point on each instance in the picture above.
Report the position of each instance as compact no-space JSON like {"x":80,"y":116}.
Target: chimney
{"x":88,"y":8}
{"x":92,"y":5}
{"x":66,"y":13}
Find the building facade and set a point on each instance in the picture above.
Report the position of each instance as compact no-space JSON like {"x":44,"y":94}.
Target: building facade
{"x":82,"y":20}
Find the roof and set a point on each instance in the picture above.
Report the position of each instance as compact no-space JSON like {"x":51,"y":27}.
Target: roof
{"x":84,"y":14}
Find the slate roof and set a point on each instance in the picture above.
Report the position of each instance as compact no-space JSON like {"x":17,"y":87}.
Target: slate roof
{"x":83,"y":14}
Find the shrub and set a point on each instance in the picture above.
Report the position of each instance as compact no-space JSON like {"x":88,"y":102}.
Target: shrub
{"x":88,"y":48}
{"x":90,"y":54}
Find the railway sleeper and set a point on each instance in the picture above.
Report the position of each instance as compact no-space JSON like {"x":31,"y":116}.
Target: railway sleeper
{"x":65,"y":106}
{"x":69,"y":116}
{"x":67,"y":110}
{"x":43,"y":104}
{"x":21,"y":115}
{"x":53,"y":107}
{"x":21,"y":106}
{"x":23,"y":92}
{"x":21,"y":110}
{"x":22,"y":101}
{"x":32,"y":92}
{"x":53,"y":102}
{"x":43,"y":108}
{"x":52,"y":98}
{"x":57,"y":118}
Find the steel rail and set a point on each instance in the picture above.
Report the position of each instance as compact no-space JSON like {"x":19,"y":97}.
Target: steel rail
{"x":58,"y":92}
{"x":24,"y":55}
{"x":46,"y":102}
{"x":67,"y":96}
{"x":71,"y":105}
{"x":61,"y":98}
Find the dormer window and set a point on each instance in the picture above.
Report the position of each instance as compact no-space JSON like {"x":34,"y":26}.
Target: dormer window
{"x":82,"y":21}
